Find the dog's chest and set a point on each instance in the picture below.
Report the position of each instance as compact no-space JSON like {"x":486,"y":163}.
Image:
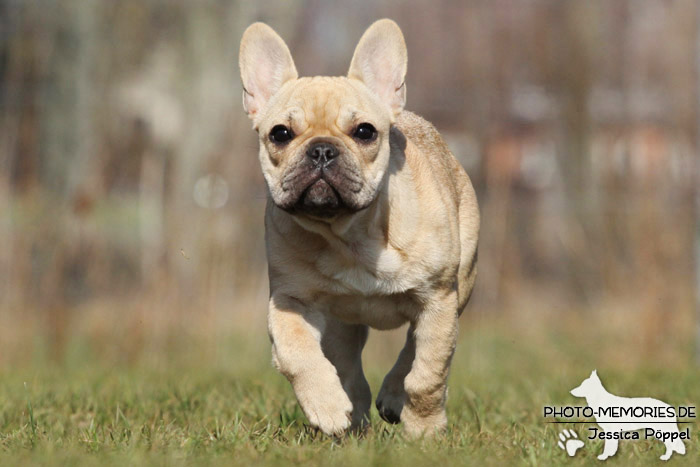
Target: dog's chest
{"x":369,"y":269}
{"x":374,"y":286}
{"x":378,"y":311}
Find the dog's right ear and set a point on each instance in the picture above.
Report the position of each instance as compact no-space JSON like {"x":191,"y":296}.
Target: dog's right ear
{"x":266,"y":65}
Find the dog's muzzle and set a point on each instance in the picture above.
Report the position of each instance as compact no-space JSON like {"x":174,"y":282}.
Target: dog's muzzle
{"x":324,"y":183}
{"x":322,"y":154}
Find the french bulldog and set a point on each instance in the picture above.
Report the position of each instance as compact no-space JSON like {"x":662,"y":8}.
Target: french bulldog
{"x":370,"y":222}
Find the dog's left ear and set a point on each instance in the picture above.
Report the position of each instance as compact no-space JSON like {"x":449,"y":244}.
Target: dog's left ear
{"x":266,"y":65}
{"x":380,"y":62}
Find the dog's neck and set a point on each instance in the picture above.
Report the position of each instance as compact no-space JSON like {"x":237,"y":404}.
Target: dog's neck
{"x":347,"y":229}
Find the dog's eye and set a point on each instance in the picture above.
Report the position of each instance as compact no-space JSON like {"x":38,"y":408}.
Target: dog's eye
{"x":280,"y":134}
{"x":365,"y":132}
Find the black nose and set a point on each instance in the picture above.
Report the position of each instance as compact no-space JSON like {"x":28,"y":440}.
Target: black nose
{"x":322,"y":153}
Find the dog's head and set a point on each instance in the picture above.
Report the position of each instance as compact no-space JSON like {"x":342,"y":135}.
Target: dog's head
{"x":589,"y":386}
{"x":324,"y":141}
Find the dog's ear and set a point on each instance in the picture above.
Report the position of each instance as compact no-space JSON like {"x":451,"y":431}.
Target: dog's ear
{"x":266,"y":65}
{"x":380,"y":62}
{"x":594,"y":374}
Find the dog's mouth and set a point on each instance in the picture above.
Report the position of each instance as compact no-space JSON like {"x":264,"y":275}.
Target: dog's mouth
{"x":322,"y":192}
{"x":320,"y":199}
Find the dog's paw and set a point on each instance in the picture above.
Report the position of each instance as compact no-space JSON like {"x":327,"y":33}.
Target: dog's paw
{"x":417,"y":425}
{"x":326,"y":406}
{"x":331,"y":419}
{"x":390,"y":405}
{"x":569,"y":442}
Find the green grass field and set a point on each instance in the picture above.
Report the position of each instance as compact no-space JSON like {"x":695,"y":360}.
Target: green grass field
{"x":202,"y":403}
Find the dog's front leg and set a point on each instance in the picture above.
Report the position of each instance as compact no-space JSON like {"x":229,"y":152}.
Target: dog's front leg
{"x":342,"y":344}
{"x":435,"y":337}
{"x":609,"y":449}
{"x":296,"y":334}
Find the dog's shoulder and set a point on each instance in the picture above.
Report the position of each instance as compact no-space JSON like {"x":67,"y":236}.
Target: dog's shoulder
{"x":420,"y":132}
{"x":432,"y":151}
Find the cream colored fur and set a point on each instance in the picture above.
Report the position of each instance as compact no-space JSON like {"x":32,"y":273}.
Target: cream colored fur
{"x":408,"y":256}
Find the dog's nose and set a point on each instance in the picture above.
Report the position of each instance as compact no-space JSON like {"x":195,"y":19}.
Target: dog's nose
{"x":322,"y":153}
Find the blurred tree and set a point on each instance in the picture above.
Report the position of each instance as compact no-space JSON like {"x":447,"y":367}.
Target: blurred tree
{"x":572,"y":118}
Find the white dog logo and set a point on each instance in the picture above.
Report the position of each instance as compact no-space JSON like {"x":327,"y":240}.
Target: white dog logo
{"x":617,"y":415}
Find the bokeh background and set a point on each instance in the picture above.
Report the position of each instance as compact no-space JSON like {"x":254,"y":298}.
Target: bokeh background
{"x":131,"y":199}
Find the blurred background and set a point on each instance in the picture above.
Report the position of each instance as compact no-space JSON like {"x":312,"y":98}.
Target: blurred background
{"x":131,"y":198}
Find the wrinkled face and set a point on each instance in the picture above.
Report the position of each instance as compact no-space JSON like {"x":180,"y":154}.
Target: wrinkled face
{"x":324,"y":146}
{"x":324,"y":141}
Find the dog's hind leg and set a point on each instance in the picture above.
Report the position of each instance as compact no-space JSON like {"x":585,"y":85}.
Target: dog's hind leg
{"x":669,"y":450}
{"x":679,"y":446}
{"x":392,"y":395}
{"x":342,"y":344}
{"x":672,"y":446}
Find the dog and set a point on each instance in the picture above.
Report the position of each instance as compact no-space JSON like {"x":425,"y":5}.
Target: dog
{"x":616,"y":415}
{"x":370,"y":222}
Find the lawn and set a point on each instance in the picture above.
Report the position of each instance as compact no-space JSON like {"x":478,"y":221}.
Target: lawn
{"x":198,"y":402}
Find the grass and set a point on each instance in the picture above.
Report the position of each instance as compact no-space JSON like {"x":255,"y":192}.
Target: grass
{"x":223,"y":404}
